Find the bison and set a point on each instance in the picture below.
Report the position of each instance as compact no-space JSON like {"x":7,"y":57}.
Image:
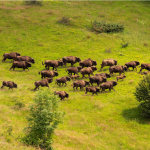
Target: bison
{"x":74,"y":77}
{"x":52,"y":63}
{"x":108,"y":85}
{"x":120,"y":77}
{"x":88,"y":70}
{"x":108,"y":62}
{"x":94,"y":90}
{"x":43,"y":82}
{"x":21,"y":64}
{"x":48,"y":73}
{"x":106,"y":75}
{"x":71,"y":59}
{"x":62,"y":80}
{"x":132,"y":64}
{"x":74,"y":70}
{"x":145,"y":66}
{"x":80,"y":83}
{"x":11,"y":55}
{"x":24,"y":58}
{"x":116,"y":69}
{"x":97,"y":79}
{"x":61,"y":94}
{"x":87,"y":63}
{"x":9,"y":84}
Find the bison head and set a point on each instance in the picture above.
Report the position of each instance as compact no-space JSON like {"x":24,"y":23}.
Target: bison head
{"x":68,"y":78}
{"x":67,"y":95}
{"x":97,"y":89}
{"x":17,"y":54}
{"x":32,"y":60}
{"x":28,"y":64}
{"x":87,"y":82}
{"x":115,"y":62}
{"x":137,"y":63}
{"x":60,"y":63}
{"x":93,"y":68}
{"x":14,"y":85}
{"x":50,"y":80}
{"x":107,"y":75}
{"x":94,"y":63}
{"x":78,"y":59}
{"x":104,"y":79}
{"x":114,"y":83}
{"x":56,"y":73}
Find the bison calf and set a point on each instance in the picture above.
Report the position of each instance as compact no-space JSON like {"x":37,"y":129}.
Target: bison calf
{"x":94,"y":90}
{"x":120,"y":77}
{"x":43,"y":82}
{"x":9,"y":84}
{"x":62,"y":94}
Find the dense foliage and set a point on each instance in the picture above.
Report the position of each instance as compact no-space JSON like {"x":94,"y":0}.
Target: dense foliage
{"x":43,"y":119}
{"x":142,"y":94}
{"x":107,"y":27}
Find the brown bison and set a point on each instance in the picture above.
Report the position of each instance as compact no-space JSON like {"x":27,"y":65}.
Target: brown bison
{"x":132,"y":64}
{"x":52,"y":63}
{"x":106,"y":75}
{"x":24,"y":58}
{"x":80,"y":83}
{"x":11,"y":55}
{"x":120,"y":77}
{"x":87,"y":63}
{"x":88,"y":70}
{"x":9,"y":84}
{"x":94,"y":90}
{"x":116,"y":69}
{"x":74,"y":70}
{"x":108,"y":62}
{"x":108,"y":85}
{"x":48,"y":73}
{"x":145,"y":66}
{"x":74,"y":77}
{"x":97,"y":79}
{"x":43,"y":82}
{"x":71,"y":59}
{"x":61,"y":94}
{"x":21,"y":64}
{"x":62,"y":80}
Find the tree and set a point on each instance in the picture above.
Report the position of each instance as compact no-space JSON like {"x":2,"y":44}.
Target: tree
{"x":43,"y":118}
{"x":142,"y":94}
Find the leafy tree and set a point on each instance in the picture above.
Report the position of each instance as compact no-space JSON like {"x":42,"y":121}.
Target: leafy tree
{"x":142,"y":94}
{"x":43,"y":118}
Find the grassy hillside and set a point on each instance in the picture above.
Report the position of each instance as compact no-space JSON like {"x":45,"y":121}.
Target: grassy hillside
{"x":108,"y":121}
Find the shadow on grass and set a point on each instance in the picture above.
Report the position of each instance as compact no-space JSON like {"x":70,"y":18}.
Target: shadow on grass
{"x":135,"y":114}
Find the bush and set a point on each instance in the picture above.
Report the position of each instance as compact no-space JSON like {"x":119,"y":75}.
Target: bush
{"x":106,"y":27}
{"x":33,"y":2}
{"x":142,"y":94}
{"x":43,"y":119}
{"x":64,"y":20}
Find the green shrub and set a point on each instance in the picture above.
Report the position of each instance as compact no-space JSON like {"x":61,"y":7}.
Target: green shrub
{"x":106,"y":27}
{"x":142,"y":94}
{"x":33,"y":2}
{"x":43,"y":119}
{"x":64,"y":20}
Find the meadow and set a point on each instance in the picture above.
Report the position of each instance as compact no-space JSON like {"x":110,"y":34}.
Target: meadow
{"x":107,"y":121}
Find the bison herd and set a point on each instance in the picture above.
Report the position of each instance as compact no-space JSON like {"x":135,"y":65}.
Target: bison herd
{"x":47,"y":75}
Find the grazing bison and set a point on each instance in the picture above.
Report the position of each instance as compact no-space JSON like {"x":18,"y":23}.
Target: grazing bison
{"x":87,"y":63}
{"x":116,"y":69}
{"x":9,"y":84}
{"x":97,"y":79}
{"x":52,"y":63}
{"x":74,"y":70}
{"x":74,"y":77}
{"x":88,"y":70}
{"x":108,"y":62}
{"x":71,"y":59}
{"x":21,"y":64}
{"x":120,"y":77}
{"x":48,"y":73}
{"x":132,"y":64}
{"x":62,"y":80}
{"x":106,"y":75}
{"x":10,"y":55}
{"x":43,"y":82}
{"x":108,"y":85}
{"x":94,"y":90}
{"x":24,"y":58}
{"x":80,"y":83}
{"x":61,"y":94}
{"x":145,"y":66}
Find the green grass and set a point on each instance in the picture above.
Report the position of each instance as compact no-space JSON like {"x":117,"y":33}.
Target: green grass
{"x":110,"y":120}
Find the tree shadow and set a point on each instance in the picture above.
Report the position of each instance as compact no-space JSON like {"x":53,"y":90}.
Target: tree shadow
{"x":135,"y":114}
